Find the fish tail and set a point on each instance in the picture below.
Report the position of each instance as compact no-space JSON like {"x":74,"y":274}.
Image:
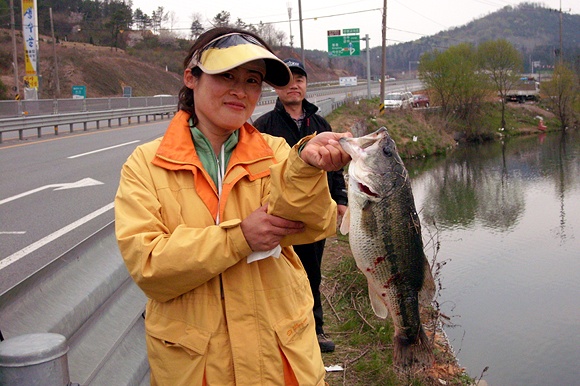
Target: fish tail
{"x":409,"y":353}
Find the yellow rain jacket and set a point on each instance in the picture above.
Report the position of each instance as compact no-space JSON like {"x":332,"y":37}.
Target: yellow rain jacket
{"x":213,"y":318}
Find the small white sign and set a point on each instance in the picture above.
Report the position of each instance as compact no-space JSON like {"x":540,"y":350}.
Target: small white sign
{"x":347,"y":81}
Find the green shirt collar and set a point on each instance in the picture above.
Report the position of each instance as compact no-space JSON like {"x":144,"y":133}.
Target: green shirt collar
{"x":209,"y":159}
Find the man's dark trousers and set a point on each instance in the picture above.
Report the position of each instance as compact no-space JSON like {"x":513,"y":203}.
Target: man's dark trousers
{"x":311,"y":257}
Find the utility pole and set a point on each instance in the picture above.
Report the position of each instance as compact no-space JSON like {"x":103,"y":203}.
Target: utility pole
{"x":561,"y":52}
{"x":301,"y":34}
{"x":384,"y":55}
{"x":366,"y":39}
{"x":57,"y":83}
{"x":14,"y":55}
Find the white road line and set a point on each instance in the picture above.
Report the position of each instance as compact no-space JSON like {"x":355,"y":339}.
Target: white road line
{"x":70,"y":185}
{"x":103,"y":149}
{"x":13,"y":233}
{"x":53,"y":236}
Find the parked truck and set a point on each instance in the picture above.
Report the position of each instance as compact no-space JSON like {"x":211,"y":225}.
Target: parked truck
{"x":525,"y":89}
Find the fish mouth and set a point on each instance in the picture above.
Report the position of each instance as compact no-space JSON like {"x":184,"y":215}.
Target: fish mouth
{"x":361,"y":187}
{"x":366,"y":190}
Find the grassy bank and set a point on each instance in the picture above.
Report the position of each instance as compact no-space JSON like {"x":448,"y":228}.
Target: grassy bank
{"x":416,"y":132}
{"x":423,"y":132}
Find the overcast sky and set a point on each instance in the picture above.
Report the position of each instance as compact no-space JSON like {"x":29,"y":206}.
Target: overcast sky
{"x":406,"y":20}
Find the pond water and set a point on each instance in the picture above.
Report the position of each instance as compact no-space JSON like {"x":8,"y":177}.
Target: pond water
{"x":507,"y":219}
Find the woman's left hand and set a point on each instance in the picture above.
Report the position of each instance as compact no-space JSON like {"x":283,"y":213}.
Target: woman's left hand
{"x":324,"y":152}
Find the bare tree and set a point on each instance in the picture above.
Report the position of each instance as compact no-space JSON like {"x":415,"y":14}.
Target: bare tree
{"x":454,"y":81}
{"x":280,"y":37}
{"x":158,"y":18}
{"x":222,"y":19}
{"x":562,"y":92}
{"x":503,"y":63}
{"x":196,"y":28}
{"x":172,"y":20}
{"x":267,"y":32}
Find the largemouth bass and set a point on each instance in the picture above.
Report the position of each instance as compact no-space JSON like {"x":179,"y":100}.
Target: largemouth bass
{"x":385,"y":239}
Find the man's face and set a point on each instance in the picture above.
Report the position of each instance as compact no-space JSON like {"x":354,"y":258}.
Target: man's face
{"x":294,"y":92}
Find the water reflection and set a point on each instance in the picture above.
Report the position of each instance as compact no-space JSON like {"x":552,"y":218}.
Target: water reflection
{"x":506,"y":216}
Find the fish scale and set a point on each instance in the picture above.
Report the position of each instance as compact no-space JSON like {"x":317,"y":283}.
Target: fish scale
{"x":385,"y":239}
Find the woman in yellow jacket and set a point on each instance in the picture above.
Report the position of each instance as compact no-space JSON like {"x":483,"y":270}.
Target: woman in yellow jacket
{"x":205,"y":220}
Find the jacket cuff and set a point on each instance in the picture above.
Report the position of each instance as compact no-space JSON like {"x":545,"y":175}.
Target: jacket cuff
{"x":234,"y":232}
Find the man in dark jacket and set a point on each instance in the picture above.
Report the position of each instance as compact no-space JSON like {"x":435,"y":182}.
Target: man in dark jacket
{"x":294,"y":117}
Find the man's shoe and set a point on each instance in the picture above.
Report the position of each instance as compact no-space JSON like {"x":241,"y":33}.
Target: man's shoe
{"x":326,"y":344}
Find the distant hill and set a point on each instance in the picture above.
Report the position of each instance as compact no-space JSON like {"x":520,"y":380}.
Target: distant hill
{"x":104,"y":71}
{"x":533,"y":29}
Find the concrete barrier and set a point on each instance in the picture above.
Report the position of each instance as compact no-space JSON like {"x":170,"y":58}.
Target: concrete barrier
{"x":88,"y":297}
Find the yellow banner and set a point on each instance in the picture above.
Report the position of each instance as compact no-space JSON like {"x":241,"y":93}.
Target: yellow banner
{"x":30,"y":81}
{"x":29,"y":33}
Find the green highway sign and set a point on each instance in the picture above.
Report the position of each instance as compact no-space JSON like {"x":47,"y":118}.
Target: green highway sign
{"x":351,"y":31}
{"x":79,"y":92}
{"x":345,"y":45}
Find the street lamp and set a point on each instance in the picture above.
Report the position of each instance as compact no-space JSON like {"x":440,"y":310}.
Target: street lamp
{"x":289,"y":5}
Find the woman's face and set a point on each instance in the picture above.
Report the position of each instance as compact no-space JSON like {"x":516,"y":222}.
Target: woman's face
{"x":223,"y":102}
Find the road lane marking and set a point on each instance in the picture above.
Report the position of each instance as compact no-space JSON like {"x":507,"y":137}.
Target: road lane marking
{"x":103,"y":149}
{"x":13,"y":233}
{"x":53,"y":236}
{"x":67,"y":185}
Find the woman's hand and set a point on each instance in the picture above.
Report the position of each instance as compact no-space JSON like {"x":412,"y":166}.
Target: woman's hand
{"x":264,"y":231}
{"x":324,"y":152}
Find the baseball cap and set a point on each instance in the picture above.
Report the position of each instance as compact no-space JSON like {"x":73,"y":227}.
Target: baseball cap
{"x":296,"y":65}
{"x":232,"y":50}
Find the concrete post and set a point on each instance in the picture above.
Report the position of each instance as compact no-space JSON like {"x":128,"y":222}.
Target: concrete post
{"x":34,"y":359}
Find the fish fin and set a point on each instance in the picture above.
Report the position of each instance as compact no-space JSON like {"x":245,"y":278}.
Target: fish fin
{"x":345,"y":223}
{"x":379,"y":306}
{"x":412,"y":354}
{"x":428,"y":288}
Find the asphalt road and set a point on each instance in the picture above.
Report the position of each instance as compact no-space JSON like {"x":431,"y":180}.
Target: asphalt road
{"x":56,"y":191}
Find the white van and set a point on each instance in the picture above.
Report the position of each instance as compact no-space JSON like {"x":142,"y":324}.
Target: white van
{"x":398,"y":100}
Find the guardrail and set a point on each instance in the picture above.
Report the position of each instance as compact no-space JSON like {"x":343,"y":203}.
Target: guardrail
{"x":38,"y":122}
{"x":15,"y":109}
{"x":88,"y":297}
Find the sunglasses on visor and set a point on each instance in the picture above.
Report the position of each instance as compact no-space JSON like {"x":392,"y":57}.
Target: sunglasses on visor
{"x":224,"y":41}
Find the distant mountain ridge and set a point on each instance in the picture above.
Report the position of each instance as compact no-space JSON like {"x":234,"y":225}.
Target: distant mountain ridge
{"x":533,"y":29}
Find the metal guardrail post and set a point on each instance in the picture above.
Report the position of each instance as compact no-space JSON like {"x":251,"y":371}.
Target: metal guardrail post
{"x":34,"y":359}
